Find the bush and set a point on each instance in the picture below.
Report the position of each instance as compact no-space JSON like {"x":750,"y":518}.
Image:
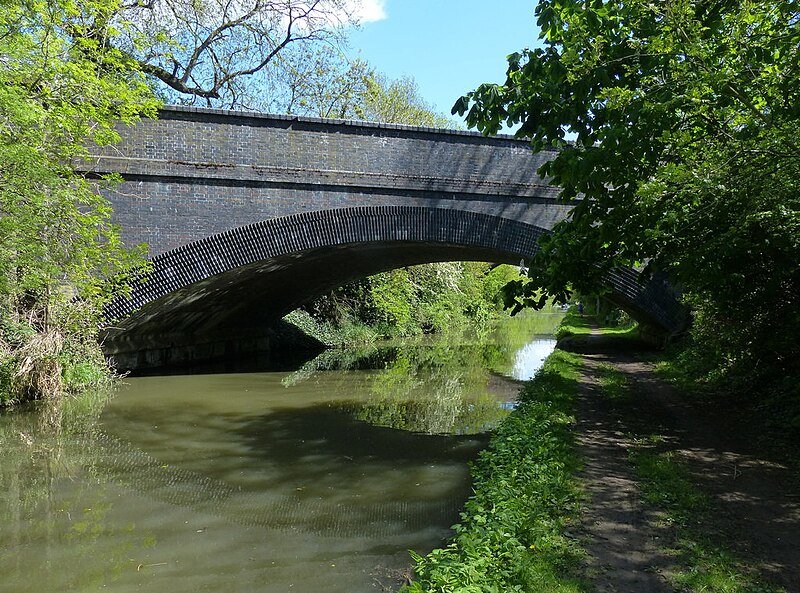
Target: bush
{"x":7,"y":367}
{"x":409,"y":301}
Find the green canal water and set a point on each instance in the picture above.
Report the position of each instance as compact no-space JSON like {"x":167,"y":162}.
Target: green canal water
{"x":316,"y":479}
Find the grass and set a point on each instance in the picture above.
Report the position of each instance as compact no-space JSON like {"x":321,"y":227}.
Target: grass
{"x":575,"y":324}
{"x":577,"y":328}
{"x":613,"y":383}
{"x":706,"y":564}
{"x":674,"y":366}
{"x":512,"y":535}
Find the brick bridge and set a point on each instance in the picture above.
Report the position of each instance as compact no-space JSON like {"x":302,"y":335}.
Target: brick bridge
{"x":248,"y":216}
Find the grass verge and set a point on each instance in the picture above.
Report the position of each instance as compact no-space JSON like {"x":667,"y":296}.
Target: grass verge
{"x":512,"y":536}
{"x":575,"y":329}
{"x":705,"y":563}
{"x":575,"y":324}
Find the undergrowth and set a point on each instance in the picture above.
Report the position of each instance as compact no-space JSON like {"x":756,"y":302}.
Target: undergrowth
{"x":774,"y":405}
{"x":47,"y":364}
{"x":512,"y":535}
{"x":351,"y":333}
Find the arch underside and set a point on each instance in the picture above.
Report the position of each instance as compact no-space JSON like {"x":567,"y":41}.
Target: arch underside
{"x":233,"y":285}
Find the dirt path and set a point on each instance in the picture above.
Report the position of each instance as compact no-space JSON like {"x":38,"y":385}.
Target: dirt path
{"x":618,"y":533}
{"x":755,"y":497}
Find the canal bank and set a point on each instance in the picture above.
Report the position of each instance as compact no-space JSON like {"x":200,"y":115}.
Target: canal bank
{"x":656,"y":491}
{"x":514,"y":531}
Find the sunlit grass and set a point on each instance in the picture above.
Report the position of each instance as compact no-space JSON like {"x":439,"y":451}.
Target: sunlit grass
{"x":613,"y":382}
{"x":577,"y":325}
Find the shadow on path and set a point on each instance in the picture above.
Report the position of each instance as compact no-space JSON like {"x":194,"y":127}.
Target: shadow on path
{"x":618,"y":533}
{"x":755,"y":496}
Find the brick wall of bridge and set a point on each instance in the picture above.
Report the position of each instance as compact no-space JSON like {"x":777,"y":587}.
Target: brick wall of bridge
{"x":195,"y":173}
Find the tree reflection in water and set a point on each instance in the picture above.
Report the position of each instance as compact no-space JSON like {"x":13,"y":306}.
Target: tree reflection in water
{"x":56,"y":495}
{"x":437,"y":386}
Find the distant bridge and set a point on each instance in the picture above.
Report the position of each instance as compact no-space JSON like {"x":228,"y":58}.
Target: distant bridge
{"x":248,"y":216}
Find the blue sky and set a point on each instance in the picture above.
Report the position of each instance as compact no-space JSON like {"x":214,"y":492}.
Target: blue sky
{"x":448,"y":46}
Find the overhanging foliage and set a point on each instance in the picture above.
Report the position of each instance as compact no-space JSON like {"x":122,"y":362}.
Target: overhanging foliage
{"x":681,"y":119}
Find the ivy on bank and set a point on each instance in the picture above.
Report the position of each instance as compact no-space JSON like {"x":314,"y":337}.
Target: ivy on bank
{"x":512,"y":535}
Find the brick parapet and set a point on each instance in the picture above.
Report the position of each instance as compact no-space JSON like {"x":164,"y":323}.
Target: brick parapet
{"x":204,"y":112}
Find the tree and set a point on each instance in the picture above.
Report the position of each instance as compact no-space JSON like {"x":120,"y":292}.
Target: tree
{"x":223,"y":52}
{"x":681,"y":119}
{"x":319,"y":81}
{"x":399,"y":102}
{"x":58,"y":249}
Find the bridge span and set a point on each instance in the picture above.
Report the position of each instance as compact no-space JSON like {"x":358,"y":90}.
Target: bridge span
{"x":248,"y":216}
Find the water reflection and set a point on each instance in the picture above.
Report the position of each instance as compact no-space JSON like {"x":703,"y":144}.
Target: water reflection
{"x":530,"y":358}
{"x":432,"y":387}
{"x":56,"y":503}
{"x":345,"y":476}
{"x":319,"y":479}
{"x":443,"y":386}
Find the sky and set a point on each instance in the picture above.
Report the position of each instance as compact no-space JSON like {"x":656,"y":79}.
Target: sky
{"x":448,"y":46}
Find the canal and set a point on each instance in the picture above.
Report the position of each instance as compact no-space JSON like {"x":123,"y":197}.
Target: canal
{"x":319,"y":478}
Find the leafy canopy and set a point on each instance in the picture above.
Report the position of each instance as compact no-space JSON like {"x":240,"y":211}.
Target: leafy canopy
{"x":675,"y":124}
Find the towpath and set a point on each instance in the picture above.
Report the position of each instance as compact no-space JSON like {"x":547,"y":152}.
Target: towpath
{"x":754,"y":494}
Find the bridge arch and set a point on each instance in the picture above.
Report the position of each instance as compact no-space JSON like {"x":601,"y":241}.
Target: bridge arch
{"x":208,"y":297}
